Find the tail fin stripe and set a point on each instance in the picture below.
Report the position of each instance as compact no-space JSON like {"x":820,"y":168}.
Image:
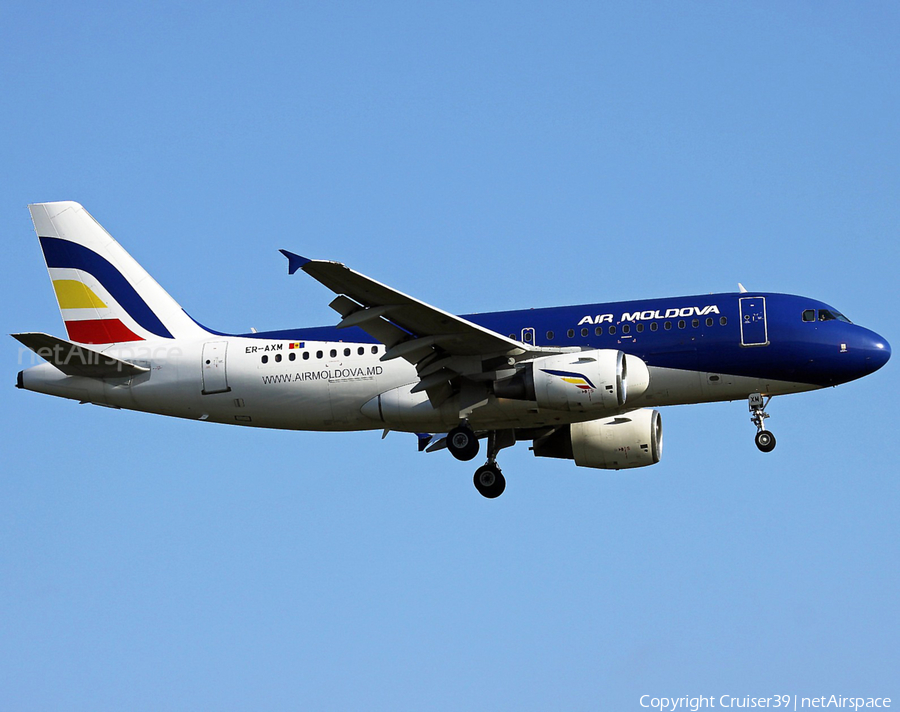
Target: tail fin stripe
{"x":100,"y":331}
{"x":72,"y":294}
{"x":65,"y":254}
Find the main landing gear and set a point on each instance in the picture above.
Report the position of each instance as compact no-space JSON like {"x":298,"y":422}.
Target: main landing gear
{"x":489,"y":481}
{"x":765,"y":440}
{"x":463,"y":445}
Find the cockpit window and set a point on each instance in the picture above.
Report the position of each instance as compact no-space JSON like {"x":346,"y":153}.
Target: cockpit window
{"x":809,"y":315}
{"x":832,"y":315}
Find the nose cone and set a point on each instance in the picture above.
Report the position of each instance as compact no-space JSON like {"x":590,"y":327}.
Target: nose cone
{"x":862,"y":352}
{"x":847,"y":352}
{"x":878,"y":352}
{"x":869,"y":352}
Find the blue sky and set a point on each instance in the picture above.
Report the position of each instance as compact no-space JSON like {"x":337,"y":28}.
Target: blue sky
{"x":479,"y":156}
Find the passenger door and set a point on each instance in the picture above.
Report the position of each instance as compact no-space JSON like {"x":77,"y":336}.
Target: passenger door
{"x":215,"y":377}
{"x":754,"y":331}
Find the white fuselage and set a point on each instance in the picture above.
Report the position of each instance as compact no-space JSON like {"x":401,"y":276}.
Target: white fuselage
{"x":334,"y":386}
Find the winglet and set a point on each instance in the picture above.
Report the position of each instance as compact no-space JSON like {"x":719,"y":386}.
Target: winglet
{"x":295,"y":262}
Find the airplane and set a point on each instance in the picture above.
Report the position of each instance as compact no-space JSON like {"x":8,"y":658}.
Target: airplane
{"x":582,"y":383}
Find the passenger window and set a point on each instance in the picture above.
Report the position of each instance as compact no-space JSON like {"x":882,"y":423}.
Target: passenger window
{"x":319,"y":354}
{"x":278,"y":358}
{"x":809,"y":315}
{"x":723,"y":320}
{"x":374,"y":349}
{"x":549,"y":336}
{"x":681,"y":323}
{"x":709,"y":321}
{"x":571,"y":333}
{"x":360,"y":351}
{"x":653,"y":326}
{"x":265,"y":359}
{"x":612,"y":330}
{"x":695,"y":323}
{"x":584,"y":332}
{"x":346,"y":352}
{"x":640,"y":327}
{"x":293,"y":356}
{"x":306,"y":355}
{"x":333,"y":353}
{"x":599,"y":331}
{"x":667,"y":325}
{"x":626,"y":329}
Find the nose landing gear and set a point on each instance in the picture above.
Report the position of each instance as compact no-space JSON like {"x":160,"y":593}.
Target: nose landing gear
{"x":765,"y":439}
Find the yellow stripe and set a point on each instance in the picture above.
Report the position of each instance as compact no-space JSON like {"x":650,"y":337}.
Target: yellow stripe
{"x":72,"y":294}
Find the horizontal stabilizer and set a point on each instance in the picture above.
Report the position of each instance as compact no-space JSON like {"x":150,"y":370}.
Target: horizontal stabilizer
{"x":75,"y":360}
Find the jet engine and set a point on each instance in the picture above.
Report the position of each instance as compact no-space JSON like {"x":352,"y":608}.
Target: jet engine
{"x":601,"y":379}
{"x":630,"y":440}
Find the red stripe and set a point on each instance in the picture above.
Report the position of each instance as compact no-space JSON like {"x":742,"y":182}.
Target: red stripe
{"x":100,"y":331}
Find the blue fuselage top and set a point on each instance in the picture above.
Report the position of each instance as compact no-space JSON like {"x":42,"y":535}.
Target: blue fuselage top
{"x":760,"y":335}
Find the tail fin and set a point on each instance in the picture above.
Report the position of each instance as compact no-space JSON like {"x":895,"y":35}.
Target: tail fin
{"x":104,"y":295}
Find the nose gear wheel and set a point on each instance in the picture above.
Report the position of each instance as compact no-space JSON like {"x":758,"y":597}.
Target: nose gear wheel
{"x":765,"y":439}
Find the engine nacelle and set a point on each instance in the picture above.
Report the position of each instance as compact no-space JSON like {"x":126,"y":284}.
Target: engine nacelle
{"x":601,"y":379}
{"x":630,"y":440}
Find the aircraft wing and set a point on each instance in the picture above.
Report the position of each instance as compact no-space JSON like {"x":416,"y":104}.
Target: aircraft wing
{"x":376,"y":301}
{"x":441,"y":345}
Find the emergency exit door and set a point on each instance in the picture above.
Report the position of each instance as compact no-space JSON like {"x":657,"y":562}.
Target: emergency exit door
{"x":215,"y":377}
{"x":754,"y":331}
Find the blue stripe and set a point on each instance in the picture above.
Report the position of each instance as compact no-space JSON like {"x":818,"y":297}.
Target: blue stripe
{"x":569,"y":374}
{"x":70,"y":255}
